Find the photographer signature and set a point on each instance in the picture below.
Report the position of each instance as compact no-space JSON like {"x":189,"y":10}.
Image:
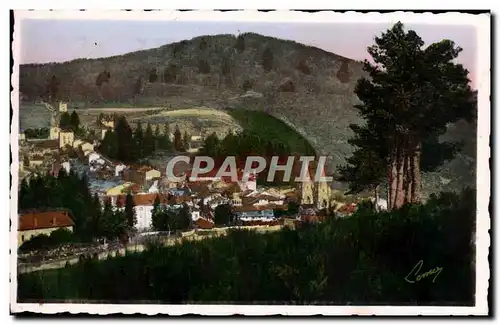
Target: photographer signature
{"x":414,"y":275}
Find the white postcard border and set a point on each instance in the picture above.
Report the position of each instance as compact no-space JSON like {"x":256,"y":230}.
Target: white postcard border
{"x":482,"y":23}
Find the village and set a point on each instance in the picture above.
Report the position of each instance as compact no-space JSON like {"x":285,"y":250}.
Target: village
{"x":112,"y":180}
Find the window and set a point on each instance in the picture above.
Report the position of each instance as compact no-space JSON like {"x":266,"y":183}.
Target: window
{"x":22,"y":237}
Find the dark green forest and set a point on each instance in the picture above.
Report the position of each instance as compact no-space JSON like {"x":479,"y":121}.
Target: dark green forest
{"x":364,"y":259}
{"x":71,"y":192}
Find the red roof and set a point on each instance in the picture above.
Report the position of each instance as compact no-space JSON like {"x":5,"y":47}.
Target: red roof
{"x":43,"y":220}
{"x":143,"y":199}
{"x":282,"y":160}
{"x":348,"y":208}
{"x":204,"y":223}
{"x":260,"y":207}
{"x":213,"y":174}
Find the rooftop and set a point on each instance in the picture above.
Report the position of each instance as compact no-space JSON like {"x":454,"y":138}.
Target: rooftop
{"x":43,"y":220}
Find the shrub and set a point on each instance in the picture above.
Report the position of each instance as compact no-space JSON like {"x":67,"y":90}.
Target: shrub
{"x":170,"y":73}
{"x":41,"y":242}
{"x":225,"y":66}
{"x":203,"y":67}
{"x":203,"y":44}
{"x":35,"y":243}
{"x":343,"y":73}
{"x":153,"y":76}
{"x":61,"y":236}
{"x":303,"y":67}
{"x":366,"y":258}
{"x":240,"y":43}
{"x":102,"y":78}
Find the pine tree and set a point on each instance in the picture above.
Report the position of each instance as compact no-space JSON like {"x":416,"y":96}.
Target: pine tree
{"x":240,"y":43}
{"x":177,"y":139}
{"x":65,"y":121}
{"x":267,"y":59}
{"x":223,"y":215}
{"x":75,"y":121}
{"x":53,"y":88}
{"x":139,"y":140}
{"x":127,"y":149}
{"x":157,"y":131}
{"x":149,"y":141}
{"x":156,"y":210}
{"x":185,"y":141}
{"x":110,"y":145}
{"x":211,"y":146}
{"x":412,"y":95}
{"x":130,"y":212}
{"x":164,"y":139}
{"x":97,"y":212}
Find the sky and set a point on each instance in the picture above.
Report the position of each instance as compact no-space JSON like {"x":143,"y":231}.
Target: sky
{"x":63,"y":40}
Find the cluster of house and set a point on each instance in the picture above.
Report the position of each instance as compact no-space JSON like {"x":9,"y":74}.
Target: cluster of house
{"x":111,"y":180}
{"x":43,"y":155}
{"x":250,"y":204}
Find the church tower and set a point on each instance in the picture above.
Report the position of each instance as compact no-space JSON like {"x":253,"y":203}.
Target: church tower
{"x":54,"y":127}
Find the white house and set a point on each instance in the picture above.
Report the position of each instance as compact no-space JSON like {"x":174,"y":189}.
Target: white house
{"x":119,"y":168}
{"x":67,"y":166}
{"x":152,"y":173}
{"x":143,"y":209}
{"x":154,"y":188}
{"x":250,"y":184}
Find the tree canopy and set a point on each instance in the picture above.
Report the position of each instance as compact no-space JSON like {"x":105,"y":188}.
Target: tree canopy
{"x":413,"y":93}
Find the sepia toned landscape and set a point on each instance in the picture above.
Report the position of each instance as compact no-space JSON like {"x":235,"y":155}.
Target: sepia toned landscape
{"x":101,"y":220}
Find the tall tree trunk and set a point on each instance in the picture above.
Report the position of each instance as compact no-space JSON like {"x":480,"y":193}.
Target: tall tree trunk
{"x":408,"y":179}
{"x":377,"y":198}
{"x":399,"y":199}
{"x":416,"y":194}
{"x":392,"y":183}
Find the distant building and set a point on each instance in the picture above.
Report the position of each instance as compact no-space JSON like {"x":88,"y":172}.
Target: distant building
{"x":66,"y":138}
{"x":144,"y":204}
{"x":87,"y":147}
{"x":123,"y":189}
{"x":150,"y":173}
{"x":108,"y":121}
{"x":54,"y":132}
{"x":63,"y":107}
{"x":249,"y":213}
{"x":38,"y":223}
{"x":317,"y":193}
{"x":36,"y":161}
{"x":42,"y":147}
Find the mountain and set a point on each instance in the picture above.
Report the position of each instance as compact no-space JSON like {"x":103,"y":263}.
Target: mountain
{"x":309,"y":89}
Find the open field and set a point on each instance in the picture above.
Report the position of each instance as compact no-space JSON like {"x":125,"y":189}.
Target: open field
{"x":110,"y":110}
{"x":270,"y":128}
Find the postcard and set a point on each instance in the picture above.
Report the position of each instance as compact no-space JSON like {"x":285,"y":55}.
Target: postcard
{"x":242,"y":162}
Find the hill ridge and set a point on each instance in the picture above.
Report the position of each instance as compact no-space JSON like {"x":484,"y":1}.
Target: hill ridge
{"x":309,"y":88}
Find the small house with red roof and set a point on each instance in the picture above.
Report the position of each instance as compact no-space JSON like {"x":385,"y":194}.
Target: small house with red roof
{"x":37,"y":223}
